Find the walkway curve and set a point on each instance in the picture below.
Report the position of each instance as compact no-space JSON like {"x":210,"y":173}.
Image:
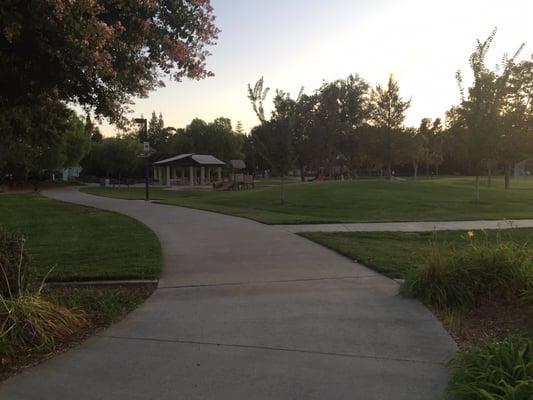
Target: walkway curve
{"x":249,"y":311}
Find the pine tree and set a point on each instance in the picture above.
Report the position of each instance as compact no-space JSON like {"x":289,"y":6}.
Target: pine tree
{"x":388,"y":113}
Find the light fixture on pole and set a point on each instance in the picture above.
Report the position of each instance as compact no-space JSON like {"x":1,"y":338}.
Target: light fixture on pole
{"x":146,"y":153}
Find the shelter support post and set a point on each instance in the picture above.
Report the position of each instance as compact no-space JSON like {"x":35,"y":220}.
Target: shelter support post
{"x":191,"y":176}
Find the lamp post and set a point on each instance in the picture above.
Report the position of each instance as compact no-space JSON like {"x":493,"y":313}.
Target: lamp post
{"x":146,"y":152}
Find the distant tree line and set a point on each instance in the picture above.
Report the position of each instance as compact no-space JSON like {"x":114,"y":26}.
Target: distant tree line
{"x":347,"y":127}
{"x":119,"y":157}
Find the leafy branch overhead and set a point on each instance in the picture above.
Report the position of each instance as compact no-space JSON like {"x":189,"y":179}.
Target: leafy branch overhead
{"x":99,"y":54}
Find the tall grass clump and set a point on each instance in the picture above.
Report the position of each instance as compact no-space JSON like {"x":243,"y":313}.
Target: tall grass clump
{"x":15,"y":270}
{"x":495,"y":371}
{"x":451,"y":278}
{"x":28,"y":322}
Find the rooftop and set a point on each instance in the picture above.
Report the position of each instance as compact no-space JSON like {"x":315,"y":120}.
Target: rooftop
{"x":191,"y":159}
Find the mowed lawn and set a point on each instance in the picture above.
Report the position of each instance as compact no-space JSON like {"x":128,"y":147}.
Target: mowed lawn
{"x":81,"y":243}
{"x":355,"y":201}
{"x":394,"y":253}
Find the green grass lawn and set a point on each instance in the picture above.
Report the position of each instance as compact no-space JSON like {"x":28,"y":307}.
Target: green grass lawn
{"x":81,"y":243}
{"x":394,"y":253}
{"x":355,"y":201}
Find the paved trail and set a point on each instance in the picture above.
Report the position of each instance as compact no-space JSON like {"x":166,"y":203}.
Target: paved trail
{"x":249,"y":311}
{"x":425,"y":226}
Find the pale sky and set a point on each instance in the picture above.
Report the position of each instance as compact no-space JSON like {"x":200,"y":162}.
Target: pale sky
{"x":295,"y":43}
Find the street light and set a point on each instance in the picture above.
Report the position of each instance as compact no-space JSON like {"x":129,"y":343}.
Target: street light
{"x":146,"y":152}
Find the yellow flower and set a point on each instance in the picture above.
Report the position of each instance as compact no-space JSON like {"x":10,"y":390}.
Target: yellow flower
{"x":470,"y":234}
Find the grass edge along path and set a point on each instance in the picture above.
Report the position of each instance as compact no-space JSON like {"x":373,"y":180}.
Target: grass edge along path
{"x":81,"y":243}
{"x":396,"y":254}
{"x":495,"y":332}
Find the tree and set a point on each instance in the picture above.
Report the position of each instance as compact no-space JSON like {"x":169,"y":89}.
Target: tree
{"x":93,"y":131}
{"x":431,"y":140}
{"x":340,"y":111}
{"x":99,"y":54}
{"x":272,"y":142}
{"x":158,"y":135}
{"x":415,"y":146}
{"x":516,"y":140}
{"x":116,"y":157}
{"x":215,"y":138}
{"x":305,"y":129}
{"x":257,"y":95}
{"x":388,"y":113}
{"x":239,"y":130}
{"x":273,"y":138}
{"x":482,"y":106}
{"x":77,"y":142}
{"x":48,"y":138}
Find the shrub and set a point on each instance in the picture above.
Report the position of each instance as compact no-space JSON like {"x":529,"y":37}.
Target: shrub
{"x":15,"y":271}
{"x":30,"y":323}
{"x":502,"y":370}
{"x":450,"y":278}
{"x":27,"y":321}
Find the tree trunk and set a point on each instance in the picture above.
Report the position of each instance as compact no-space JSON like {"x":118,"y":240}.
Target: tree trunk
{"x":507,"y":176}
{"x":489,"y":175}
{"x":302,"y":173}
{"x":282,"y":189}
{"x":437,"y":170}
{"x":415,"y":167}
{"x":35,"y":183}
{"x":427,"y":169}
{"x":389,"y":153}
{"x":477,"y":188}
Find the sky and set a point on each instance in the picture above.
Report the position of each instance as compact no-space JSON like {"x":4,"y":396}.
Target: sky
{"x":295,"y":43}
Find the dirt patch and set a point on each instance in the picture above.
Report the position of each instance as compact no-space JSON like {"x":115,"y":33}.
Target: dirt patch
{"x":487,"y":322}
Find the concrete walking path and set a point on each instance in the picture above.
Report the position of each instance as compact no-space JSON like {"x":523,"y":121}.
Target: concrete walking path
{"x":424,"y":226}
{"x":249,"y":311}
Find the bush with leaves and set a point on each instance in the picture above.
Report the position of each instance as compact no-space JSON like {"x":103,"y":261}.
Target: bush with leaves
{"x":495,"y":371}
{"x":450,"y":278}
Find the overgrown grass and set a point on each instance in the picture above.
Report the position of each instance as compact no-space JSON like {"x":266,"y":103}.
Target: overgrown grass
{"x":28,"y":322}
{"x":82,"y":243}
{"x":495,"y":371}
{"x":450,"y":278}
{"x":31,"y":324}
{"x":94,"y":308}
{"x":355,"y":201}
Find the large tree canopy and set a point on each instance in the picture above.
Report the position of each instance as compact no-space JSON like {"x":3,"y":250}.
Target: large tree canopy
{"x":99,"y":53}
{"x":216,"y":138}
